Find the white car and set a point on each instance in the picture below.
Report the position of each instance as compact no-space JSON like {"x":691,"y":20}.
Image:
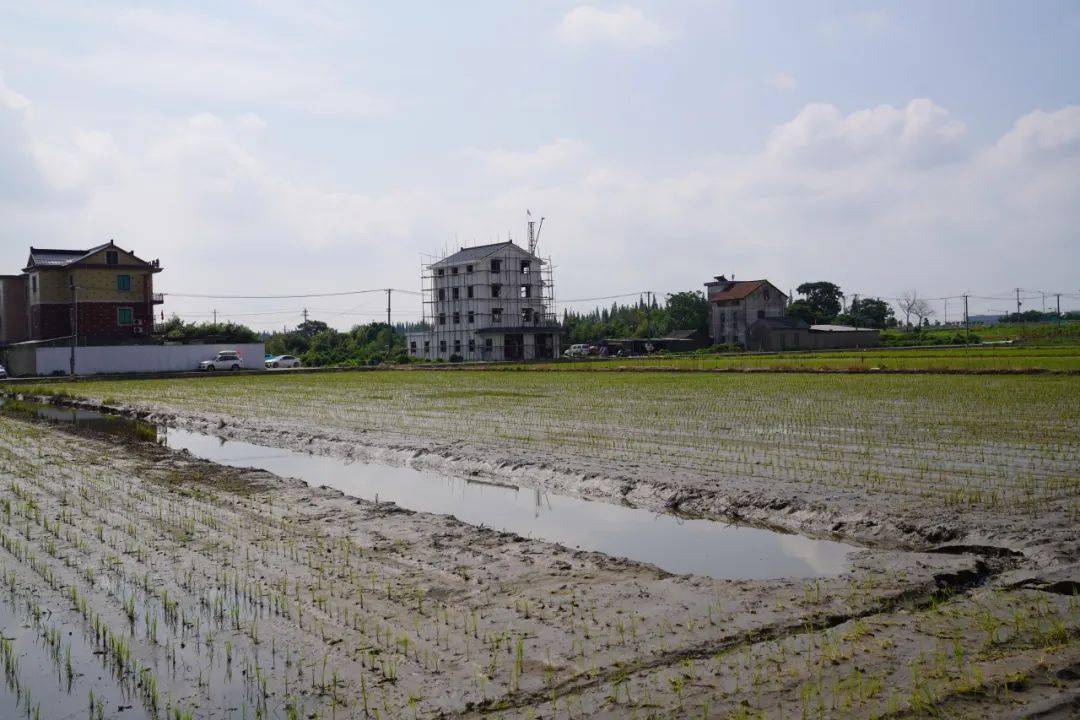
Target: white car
{"x":283,"y":361}
{"x":577,"y":351}
{"x":224,"y":360}
{"x":3,"y":372}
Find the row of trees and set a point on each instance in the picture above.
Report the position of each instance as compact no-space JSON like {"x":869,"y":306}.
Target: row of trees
{"x":681,"y":311}
{"x":318,"y":344}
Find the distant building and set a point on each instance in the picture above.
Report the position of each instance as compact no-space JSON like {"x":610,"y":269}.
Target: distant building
{"x":773,"y":334}
{"x":488,"y":302}
{"x":735,"y":306}
{"x":104,"y":294}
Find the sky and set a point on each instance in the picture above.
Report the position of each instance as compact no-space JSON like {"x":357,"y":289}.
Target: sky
{"x":264,"y":147}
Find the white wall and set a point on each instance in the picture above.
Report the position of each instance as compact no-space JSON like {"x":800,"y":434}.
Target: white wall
{"x":104,"y":359}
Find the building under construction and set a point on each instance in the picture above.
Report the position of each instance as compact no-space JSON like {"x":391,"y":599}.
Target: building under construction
{"x":488,"y":302}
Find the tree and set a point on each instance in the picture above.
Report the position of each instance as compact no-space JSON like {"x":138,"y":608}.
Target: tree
{"x":801,"y":310}
{"x":688,"y":311}
{"x":823,"y":300}
{"x":871,"y":312}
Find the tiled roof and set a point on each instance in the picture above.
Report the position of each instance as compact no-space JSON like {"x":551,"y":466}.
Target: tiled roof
{"x":733,"y":290}
{"x":59,"y":258}
{"x":476,"y":252}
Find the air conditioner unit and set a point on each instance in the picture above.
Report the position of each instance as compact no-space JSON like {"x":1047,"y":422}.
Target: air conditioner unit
{"x":137,"y":330}
{"x":138,"y":322}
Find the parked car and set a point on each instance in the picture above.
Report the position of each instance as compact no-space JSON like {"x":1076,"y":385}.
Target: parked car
{"x":283,"y":361}
{"x":224,"y":360}
{"x":3,"y":372}
{"x":576,"y":351}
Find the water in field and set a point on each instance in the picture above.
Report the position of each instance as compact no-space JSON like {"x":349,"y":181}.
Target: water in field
{"x":677,"y":544}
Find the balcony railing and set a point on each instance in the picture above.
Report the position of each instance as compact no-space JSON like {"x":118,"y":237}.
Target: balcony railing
{"x":157,"y":298}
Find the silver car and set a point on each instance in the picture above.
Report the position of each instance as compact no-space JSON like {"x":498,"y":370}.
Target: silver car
{"x":224,"y":360}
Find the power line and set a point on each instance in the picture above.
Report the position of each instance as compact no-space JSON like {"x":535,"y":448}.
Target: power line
{"x":288,"y":297}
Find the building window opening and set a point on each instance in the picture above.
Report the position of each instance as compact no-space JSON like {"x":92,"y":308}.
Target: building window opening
{"x":440,"y":272}
{"x":427,"y":347}
{"x":468,"y":268}
{"x":442,"y":346}
{"x":457,"y":347}
{"x":496,"y":290}
{"x":412,"y":347}
{"x":526,"y":315}
{"x":472,"y":345}
{"x":526,"y":266}
{"x":442,"y":318}
{"x":455,"y":293}
{"x":123,"y":283}
{"x":112,"y":257}
{"x":496,"y":315}
{"x":457,"y":318}
{"x":124,"y":316}
{"x":489,"y":344}
{"x":472,"y":317}
{"x":761,"y":313}
{"x":469,"y":291}
{"x":496,"y":266}
{"x":33,"y":283}
{"x":453,"y":271}
{"x":526,"y":291}
{"x":442,"y":293}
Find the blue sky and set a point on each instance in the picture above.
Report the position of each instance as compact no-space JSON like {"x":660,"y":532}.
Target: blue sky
{"x":267,"y":147}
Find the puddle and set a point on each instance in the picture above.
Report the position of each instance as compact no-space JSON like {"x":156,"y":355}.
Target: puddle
{"x":676,"y":544}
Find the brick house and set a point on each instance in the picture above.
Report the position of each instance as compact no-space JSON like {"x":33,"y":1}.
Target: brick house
{"x":735,"y":306}
{"x":106,"y":292}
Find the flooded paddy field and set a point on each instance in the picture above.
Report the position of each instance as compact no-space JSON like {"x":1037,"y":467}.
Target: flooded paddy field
{"x":379,"y":595}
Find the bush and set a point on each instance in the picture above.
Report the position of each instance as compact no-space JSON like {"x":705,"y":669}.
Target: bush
{"x":455,"y":358}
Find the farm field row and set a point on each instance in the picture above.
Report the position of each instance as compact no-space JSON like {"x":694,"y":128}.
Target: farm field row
{"x":895,"y":458}
{"x":179,"y":588}
{"x":976,"y":358}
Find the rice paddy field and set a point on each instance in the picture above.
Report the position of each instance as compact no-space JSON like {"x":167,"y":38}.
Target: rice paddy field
{"x":133,"y":576}
{"x":978,"y":358}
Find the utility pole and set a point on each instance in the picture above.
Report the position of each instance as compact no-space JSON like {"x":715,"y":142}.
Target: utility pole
{"x":215,"y":316}
{"x":74,"y":322}
{"x":305,"y":315}
{"x":1018,"y":301}
{"x":967,"y":322}
{"x":1057,"y":296}
{"x":946,"y":318}
{"x":390,"y":337}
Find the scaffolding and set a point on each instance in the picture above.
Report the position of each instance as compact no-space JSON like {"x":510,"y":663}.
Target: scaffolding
{"x":487,"y":302}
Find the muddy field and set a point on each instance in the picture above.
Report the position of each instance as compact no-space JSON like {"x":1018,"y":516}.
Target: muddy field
{"x":183,"y":586}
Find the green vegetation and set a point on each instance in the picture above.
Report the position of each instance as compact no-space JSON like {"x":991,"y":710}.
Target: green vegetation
{"x":176,"y":330}
{"x":317,"y":344}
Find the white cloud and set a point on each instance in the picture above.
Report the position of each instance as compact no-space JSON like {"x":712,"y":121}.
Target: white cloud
{"x":922,"y":132}
{"x":562,"y":154}
{"x":782,"y":81}
{"x":625,"y":26}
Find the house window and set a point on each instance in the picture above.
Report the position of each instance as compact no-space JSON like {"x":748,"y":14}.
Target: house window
{"x":440,"y":272}
{"x":472,"y":317}
{"x":427,"y":347}
{"x":526,"y":266}
{"x":123,"y":283}
{"x":496,"y":315}
{"x":526,"y":315}
{"x":496,"y":290}
{"x":442,"y":346}
{"x":112,"y":257}
{"x":442,"y":293}
{"x":496,"y":266}
{"x":469,"y":292}
{"x":455,"y":293}
{"x":457,"y":318}
{"x":457,"y":347}
{"x":761,"y":313}
{"x":472,"y":345}
{"x":453,"y":271}
{"x":124,"y":316}
{"x":489,"y":344}
{"x":468,"y":268}
{"x":526,"y":291}
{"x":766,"y":293}
{"x":442,"y":318}
{"x":412,"y":347}
{"x":33,"y":283}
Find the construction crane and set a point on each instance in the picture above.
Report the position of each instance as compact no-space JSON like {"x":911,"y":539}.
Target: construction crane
{"x":534,"y":232}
